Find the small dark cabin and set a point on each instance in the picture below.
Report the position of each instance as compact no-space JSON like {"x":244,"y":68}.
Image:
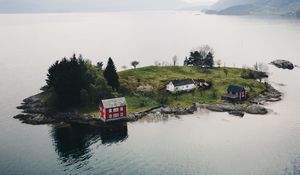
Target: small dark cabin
{"x":235,"y":93}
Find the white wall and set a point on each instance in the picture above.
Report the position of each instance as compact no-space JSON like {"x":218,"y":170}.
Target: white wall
{"x":171,"y":88}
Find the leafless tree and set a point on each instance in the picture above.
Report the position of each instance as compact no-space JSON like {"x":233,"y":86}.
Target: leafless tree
{"x":175,"y":60}
{"x":135,"y":63}
{"x":157,"y":63}
{"x":165,"y":63}
{"x":261,"y":67}
{"x":219,"y":63}
{"x":205,"y":50}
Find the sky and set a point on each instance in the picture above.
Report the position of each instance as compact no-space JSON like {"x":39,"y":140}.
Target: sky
{"x":201,"y":1}
{"x":11,"y":6}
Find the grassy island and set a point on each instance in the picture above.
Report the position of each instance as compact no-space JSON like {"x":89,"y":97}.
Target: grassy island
{"x":157,"y":77}
{"x":77,"y":84}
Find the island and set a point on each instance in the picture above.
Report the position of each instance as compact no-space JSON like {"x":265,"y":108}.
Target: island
{"x":74,"y":94}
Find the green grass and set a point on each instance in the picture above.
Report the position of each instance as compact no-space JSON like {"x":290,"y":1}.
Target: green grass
{"x":137,"y":103}
{"x":158,"y":77}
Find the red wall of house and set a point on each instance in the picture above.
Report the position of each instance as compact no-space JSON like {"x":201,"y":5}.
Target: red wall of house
{"x":104,"y":113}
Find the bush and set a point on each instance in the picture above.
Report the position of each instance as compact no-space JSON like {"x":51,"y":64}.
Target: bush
{"x":214,"y":93}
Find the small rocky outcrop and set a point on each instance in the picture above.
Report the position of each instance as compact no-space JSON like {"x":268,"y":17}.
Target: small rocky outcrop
{"x":33,"y":105}
{"x":256,"y":109}
{"x":234,"y":109}
{"x":161,"y":113}
{"x":36,"y":113}
{"x":237,"y":113}
{"x":283,"y":64}
{"x":269,"y":95}
{"x":173,"y":110}
{"x":35,"y":119}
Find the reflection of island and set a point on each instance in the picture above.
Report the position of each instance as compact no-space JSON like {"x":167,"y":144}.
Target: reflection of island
{"x":72,"y":144}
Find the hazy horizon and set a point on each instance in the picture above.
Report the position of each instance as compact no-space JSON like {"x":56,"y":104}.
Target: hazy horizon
{"x":40,"y":6}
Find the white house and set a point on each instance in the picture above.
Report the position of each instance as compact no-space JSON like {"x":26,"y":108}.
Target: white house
{"x":181,"y":85}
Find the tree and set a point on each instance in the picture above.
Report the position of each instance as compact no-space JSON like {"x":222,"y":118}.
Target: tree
{"x":174,"y":59}
{"x":99,"y":65}
{"x":186,"y":61}
{"x":202,"y":57}
{"x":209,"y":60}
{"x":219,"y":63}
{"x":260,"y":71}
{"x":124,"y":67}
{"x":157,"y":63}
{"x":111,"y":76}
{"x":84,"y":97}
{"x":260,"y":67}
{"x":66,"y":78}
{"x":135,"y":63}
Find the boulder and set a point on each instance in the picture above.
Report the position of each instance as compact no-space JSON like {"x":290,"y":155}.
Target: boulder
{"x":237,"y":113}
{"x":256,"y":109}
{"x":225,"y":107}
{"x":283,"y":64}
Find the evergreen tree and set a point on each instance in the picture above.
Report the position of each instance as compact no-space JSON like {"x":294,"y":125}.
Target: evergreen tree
{"x":66,"y":78}
{"x":209,"y":60}
{"x":111,"y":76}
{"x":203,"y":57}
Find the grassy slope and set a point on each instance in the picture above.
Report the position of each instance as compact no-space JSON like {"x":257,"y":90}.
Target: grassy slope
{"x":158,"y":77}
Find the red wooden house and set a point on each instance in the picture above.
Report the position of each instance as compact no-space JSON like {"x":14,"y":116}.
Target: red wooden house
{"x":113,"y":109}
{"x":235,"y":93}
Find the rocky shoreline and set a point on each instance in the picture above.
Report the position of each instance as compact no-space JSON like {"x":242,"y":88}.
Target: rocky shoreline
{"x":33,"y":111}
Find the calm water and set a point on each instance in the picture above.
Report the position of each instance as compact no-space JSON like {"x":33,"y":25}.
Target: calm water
{"x":203,"y":143}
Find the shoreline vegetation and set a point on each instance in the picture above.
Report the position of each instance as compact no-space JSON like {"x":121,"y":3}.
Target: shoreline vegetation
{"x":74,"y":88}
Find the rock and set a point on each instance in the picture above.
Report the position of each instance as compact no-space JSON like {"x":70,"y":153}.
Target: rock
{"x":35,"y":119}
{"x":33,"y":99}
{"x":269,"y":95}
{"x":237,"y":113}
{"x":225,"y":107}
{"x":274,"y":99}
{"x":35,"y":110}
{"x":256,"y":109}
{"x":174,"y":110}
{"x":215,"y":108}
{"x":284,"y":64}
{"x":34,"y":105}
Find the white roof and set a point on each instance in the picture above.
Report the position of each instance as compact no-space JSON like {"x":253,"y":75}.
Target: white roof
{"x":114,"y":102}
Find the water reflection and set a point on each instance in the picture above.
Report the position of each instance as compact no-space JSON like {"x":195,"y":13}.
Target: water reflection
{"x":73,"y":143}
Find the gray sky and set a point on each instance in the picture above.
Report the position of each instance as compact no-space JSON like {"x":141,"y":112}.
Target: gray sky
{"x":15,"y":6}
{"x":201,"y":1}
